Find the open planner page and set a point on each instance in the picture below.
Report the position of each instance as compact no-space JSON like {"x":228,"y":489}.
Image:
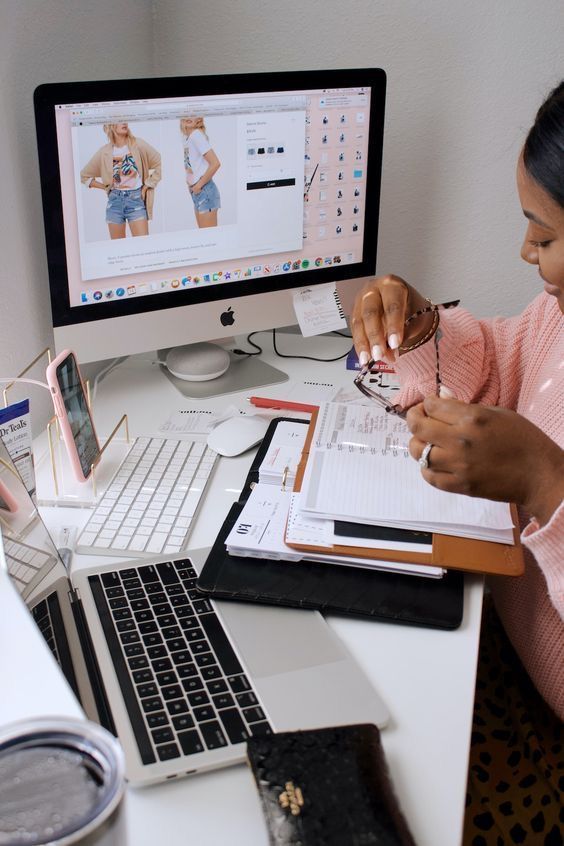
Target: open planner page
{"x":359,"y":469}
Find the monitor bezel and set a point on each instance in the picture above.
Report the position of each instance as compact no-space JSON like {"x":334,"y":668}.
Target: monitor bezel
{"x":48,"y":95}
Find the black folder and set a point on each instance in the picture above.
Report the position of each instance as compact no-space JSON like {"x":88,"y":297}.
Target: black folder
{"x":329,"y":588}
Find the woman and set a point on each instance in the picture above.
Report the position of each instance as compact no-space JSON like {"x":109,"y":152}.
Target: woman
{"x":200,"y":165}
{"x":127,"y":169}
{"x":497,"y":431}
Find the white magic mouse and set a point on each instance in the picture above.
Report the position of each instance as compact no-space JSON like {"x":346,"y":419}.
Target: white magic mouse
{"x":237,"y":434}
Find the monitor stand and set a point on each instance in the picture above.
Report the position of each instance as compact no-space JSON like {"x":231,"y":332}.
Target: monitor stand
{"x":244,"y":372}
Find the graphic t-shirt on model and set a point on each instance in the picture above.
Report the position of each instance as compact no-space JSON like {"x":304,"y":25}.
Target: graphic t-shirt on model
{"x":125,"y":171}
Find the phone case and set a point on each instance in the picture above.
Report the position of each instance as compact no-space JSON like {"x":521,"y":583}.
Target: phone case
{"x":327,"y":787}
{"x":7,"y":501}
{"x":64,"y":422}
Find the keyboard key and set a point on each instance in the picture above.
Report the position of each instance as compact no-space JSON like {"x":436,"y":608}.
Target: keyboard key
{"x":217,"y":686}
{"x":142,"y":677}
{"x":204,"y":713}
{"x":178,"y":706}
{"x":233,"y":725}
{"x":213,"y":735}
{"x":183,"y":721}
{"x":253,"y":715}
{"x":239,"y":684}
{"x":192,"y":684}
{"x":223,"y":700}
{"x":157,"y":720}
{"x":205,"y":660}
{"x":245,"y":700}
{"x":147,"y":689}
{"x":190,"y":742}
{"x":172,"y":692}
{"x":168,"y":752}
{"x":260,"y":729}
{"x":162,"y":735}
{"x":153,"y":704}
{"x":166,"y":678}
{"x":133,"y":649}
{"x":198,"y":698}
{"x":211,"y":672}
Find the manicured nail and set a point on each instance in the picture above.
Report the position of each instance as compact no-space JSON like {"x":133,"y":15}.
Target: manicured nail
{"x":377,"y":352}
{"x":393,"y":341}
{"x":363,"y":358}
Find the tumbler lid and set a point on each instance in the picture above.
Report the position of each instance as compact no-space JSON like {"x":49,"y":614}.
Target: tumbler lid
{"x":59,"y":779}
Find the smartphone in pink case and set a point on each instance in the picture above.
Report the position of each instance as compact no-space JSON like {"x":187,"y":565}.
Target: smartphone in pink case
{"x":73,"y":413}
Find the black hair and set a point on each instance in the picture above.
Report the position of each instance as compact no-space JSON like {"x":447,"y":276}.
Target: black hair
{"x":543,"y":153}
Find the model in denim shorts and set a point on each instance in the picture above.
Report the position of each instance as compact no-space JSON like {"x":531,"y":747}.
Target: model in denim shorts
{"x":125,"y":205}
{"x":208,"y":198}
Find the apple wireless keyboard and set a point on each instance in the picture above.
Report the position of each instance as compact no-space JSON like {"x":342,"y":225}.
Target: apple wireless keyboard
{"x":150,"y":504}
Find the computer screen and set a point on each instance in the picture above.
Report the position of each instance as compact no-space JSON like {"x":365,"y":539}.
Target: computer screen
{"x":177,"y":207}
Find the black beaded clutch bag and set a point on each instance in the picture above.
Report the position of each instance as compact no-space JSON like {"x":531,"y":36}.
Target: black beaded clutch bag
{"x":327,"y":787}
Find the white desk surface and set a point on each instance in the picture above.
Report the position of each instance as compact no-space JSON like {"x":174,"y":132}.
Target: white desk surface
{"x":426,"y":677}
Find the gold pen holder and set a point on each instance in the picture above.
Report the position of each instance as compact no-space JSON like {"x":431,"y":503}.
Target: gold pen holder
{"x":56,"y":482}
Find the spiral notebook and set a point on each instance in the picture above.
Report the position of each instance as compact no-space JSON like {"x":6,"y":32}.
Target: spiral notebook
{"x":325,"y":438}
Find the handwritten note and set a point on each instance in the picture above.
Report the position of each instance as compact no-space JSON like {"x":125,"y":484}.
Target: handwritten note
{"x":319,"y":310}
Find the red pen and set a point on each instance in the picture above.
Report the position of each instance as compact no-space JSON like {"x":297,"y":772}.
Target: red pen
{"x":263,"y":402}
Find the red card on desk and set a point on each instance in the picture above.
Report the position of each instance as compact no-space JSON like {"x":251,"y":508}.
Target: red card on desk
{"x":448,"y":551}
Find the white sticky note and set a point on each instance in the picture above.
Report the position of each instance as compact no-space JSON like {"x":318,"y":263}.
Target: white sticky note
{"x":319,"y":310}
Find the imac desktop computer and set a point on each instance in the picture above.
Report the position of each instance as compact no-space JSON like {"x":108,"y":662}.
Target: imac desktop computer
{"x":181,"y":210}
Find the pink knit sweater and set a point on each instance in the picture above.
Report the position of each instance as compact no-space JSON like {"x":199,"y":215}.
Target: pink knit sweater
{"x":516,"y":363}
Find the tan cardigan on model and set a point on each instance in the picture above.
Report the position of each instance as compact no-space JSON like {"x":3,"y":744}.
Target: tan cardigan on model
{"x":147,"y":159}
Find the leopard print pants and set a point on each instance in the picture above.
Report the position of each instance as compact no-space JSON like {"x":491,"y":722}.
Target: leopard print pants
{"x":516,"y":774}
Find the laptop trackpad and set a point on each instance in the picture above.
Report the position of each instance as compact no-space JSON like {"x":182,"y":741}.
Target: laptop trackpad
{"x":279,"y":640}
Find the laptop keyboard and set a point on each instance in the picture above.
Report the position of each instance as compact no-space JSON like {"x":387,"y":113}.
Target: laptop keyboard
{"x":49,"y":619}
{"x":183,"y":685}
{"x":149,"y":506}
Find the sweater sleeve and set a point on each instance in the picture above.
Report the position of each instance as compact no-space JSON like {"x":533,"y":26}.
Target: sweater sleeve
{"x":152,"y":162}
{"x":480,"y":360}
{"x":92,"y":170}
{"x":546,"y":544}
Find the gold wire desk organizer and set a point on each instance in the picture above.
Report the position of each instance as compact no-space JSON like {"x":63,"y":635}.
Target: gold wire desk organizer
{"x":56,"y":483}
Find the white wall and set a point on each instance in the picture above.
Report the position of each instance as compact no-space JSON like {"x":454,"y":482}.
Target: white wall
{"x":47,"y":41}
{"x":464,"y":81}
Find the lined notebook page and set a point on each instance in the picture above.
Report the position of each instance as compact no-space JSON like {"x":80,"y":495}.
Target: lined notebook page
{"x":360,"y":469}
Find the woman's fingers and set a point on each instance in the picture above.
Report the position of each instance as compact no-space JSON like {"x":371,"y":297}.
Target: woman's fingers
{"x":378,"y":317}
{"x":395,"y":295}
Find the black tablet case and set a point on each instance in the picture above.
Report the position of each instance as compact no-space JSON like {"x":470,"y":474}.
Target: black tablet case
{"x":330,"y":588}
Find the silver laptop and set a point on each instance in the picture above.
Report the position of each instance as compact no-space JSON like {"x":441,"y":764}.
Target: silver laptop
{"x":183,"y":680}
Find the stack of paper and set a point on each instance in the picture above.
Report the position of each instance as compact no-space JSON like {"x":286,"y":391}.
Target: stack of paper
{"x":283,"y":456}
{"x":271,"y":513}
{"x":344,"y":490}
{"x":359,"y":469}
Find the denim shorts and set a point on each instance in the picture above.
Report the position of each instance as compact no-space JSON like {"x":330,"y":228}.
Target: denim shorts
{"x":125,"y":205}
{"x":208,"y":199}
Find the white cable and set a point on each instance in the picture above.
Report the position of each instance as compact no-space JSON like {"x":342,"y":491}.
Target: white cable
{"x":105,"y":371}
{"x":29,"y":381}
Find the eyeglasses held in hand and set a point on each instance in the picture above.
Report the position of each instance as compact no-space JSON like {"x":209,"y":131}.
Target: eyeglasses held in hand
{"x":434,"y":332}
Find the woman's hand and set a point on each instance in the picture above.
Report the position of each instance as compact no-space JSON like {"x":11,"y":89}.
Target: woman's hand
{"x":379,"y":314}
{"x":488,"y":452}
{"x":144,"y":192}
{"x":196,"y":187}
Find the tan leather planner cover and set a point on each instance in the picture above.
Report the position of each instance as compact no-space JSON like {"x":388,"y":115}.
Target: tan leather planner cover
{"x":448,"y":551}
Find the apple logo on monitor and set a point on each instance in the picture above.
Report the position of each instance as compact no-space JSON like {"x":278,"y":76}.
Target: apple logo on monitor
{"x":227,"y":318}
